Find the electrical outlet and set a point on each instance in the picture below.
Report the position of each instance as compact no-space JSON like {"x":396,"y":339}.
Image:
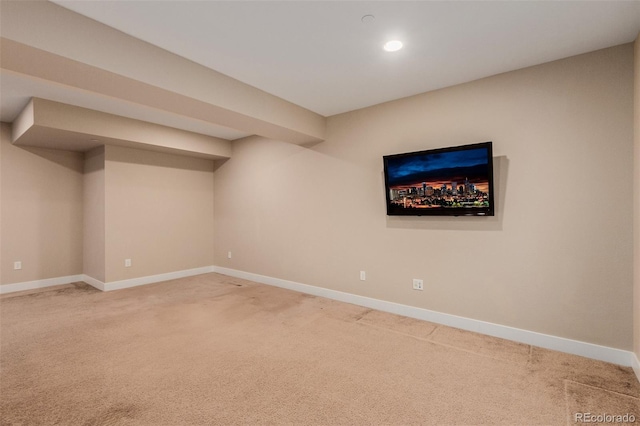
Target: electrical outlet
{"x":228,"y":255}
{"x":363,"y":276}
{"x":17,"y":265}
{"x":418,"y":284}
{"x":127,"y":263}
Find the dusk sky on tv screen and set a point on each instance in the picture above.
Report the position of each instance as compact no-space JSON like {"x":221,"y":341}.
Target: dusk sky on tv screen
{"x":401,"y":169}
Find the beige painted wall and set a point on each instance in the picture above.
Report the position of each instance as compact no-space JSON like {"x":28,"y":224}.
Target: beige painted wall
{"x":159,"y":213}
{"x":66,"y":213}
{"x":557,"y":258}
{"x":94,"y":214}
{"x":42,"y":212}
{"x":636,"y":209}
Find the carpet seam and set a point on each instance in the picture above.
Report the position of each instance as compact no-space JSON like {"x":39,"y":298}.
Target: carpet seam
{"x":429,"y":340}
{"x":603,"y":389}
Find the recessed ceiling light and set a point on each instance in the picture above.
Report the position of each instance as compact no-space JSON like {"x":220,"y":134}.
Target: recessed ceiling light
{"x":392,"y":46}
{"x":366,"y":19}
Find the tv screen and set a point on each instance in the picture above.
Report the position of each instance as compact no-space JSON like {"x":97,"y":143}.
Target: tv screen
{"x":453,"y":181}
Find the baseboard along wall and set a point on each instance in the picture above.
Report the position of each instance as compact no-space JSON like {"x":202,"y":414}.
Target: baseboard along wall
{"x":33,"y":285}
{"x":589,"y":350}
{"x":635,"y":363}
{"x":134,"y":282}
{"x":113,"y":285}
{"x":561,"y":344}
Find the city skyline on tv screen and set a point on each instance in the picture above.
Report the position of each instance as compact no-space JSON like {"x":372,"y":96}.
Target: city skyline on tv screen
{"x":457,"y":179}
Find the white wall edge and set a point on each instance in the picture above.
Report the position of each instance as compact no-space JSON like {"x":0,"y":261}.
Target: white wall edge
{"x":134,"y":282}
{"x":561,"y":344}
{"x":32,"y":285}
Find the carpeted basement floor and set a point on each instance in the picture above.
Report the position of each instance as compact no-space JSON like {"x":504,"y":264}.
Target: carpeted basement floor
{"x":215,"y":350}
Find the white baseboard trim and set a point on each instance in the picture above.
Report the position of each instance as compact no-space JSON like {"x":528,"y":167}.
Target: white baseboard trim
{"x":32,"y":285}
{"x":635,"y":364}
{"x":114,"y":285}
{"x":134,"y":282}
{"x":589,"y":350}
{"x":93,"y":282}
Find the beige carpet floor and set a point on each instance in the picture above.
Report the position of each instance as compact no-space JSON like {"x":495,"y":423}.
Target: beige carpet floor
{"x":215,"y":350}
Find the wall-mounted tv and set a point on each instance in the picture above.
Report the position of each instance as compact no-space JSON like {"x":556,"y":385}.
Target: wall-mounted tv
{"x":453,"y":181}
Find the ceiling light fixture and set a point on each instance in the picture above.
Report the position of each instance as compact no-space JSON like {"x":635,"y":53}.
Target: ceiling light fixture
{"x":366,"y":19}
{"x":392,"y":46}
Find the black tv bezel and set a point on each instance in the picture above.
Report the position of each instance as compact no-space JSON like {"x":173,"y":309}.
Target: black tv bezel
{"x":451,"y":211}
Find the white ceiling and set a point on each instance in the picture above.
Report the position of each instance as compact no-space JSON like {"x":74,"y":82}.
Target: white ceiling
{"x":321,"y":56}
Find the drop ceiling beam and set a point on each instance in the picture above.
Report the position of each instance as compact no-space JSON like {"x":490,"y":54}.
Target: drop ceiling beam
{"x":48,"y":124}
{"x":49,"y":42}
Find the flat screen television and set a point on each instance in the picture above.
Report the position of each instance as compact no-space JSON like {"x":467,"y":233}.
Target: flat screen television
{"x":453,"y":181}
